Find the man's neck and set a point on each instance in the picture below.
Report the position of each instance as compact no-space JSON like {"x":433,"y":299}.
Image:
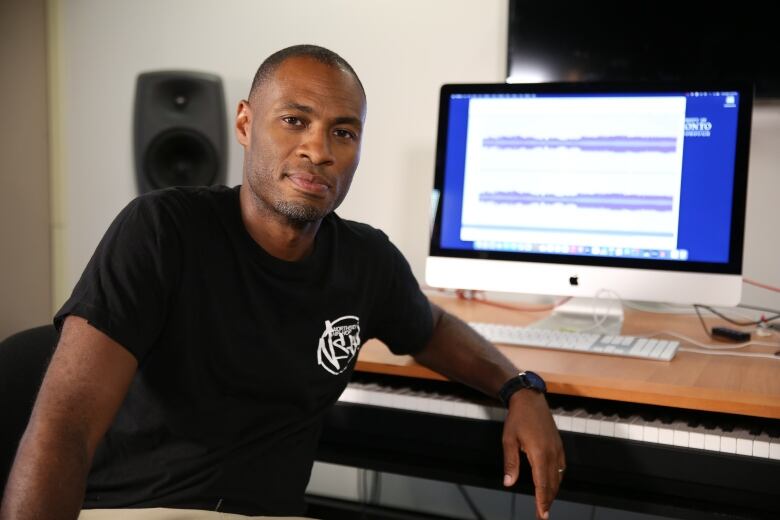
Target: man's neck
{"x":276,"y":234}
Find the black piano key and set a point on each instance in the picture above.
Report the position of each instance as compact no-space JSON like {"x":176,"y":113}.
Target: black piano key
{"x":648,"y":415}
{"x":609,"y":410}
{"x":773,"y":430}
{"x":569,"y":406}
{"x":666,"y":418}
{"x":709,"y":423}
{"x":694,"y":420}
{"x":592,"y":409}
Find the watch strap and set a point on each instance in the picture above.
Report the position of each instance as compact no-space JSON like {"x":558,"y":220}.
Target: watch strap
{"x":525,"y":379}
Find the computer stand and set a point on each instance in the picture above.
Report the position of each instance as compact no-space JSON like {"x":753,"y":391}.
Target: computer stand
{"x":597,"y":315}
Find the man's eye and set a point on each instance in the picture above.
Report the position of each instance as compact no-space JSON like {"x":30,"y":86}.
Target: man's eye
{"x":345,"y":134}
{"x":292,"y":120}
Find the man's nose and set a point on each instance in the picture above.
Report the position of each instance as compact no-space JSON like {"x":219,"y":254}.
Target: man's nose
{"x":316,"y":146}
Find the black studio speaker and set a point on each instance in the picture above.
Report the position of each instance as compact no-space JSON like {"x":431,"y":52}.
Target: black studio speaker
{"x":180,"y":136}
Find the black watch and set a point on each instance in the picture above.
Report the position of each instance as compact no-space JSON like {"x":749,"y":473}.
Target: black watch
{"x":525,"y":379}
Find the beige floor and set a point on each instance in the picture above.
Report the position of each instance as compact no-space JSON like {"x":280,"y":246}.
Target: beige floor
{"x":160,"y":513}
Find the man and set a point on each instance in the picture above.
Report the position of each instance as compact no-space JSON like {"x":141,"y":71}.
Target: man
{"x":214,"y":327}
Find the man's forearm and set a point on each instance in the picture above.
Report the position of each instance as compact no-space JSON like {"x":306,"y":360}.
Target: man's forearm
{"x":458,"y":352}
{"x":48,"y":477}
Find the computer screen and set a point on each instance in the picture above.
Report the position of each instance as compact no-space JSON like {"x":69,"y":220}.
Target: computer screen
{"x":575,"y":188}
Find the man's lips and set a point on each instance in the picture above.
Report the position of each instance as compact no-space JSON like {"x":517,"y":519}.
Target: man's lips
{"x":309,"y":182}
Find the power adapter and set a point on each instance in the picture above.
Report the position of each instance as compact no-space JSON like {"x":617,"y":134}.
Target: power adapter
{"x":730,"y":334}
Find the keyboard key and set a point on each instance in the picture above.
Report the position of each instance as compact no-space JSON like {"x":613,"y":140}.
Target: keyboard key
{"x":628,"y":346}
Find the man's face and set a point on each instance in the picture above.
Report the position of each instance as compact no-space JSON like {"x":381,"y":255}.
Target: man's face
{"x":301,"y":134}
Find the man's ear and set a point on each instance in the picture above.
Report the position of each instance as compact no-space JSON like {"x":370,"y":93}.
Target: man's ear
{"x":244,"y":123}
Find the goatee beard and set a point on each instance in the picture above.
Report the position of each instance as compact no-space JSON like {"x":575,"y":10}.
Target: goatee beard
{"x":299,"y":213}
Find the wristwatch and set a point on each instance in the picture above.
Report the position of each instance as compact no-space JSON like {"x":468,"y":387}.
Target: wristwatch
{"x":525,"y":379}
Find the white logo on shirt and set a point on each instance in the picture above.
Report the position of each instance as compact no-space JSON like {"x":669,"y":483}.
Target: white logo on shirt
{"x":339,"y":343}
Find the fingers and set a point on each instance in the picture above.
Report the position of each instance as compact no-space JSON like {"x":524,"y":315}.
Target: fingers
{"x":511,"y":460}
{"x":547,"y":479}
{"x":537,"y":436}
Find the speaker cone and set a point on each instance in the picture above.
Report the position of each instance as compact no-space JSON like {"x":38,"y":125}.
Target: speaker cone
{"x":180,"y":157}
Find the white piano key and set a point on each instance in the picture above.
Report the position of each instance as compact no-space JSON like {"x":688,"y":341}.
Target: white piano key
{"x":564,"y":420}
{"x":593,"y":424}
{"x":482,"y":413}
{"x":650,"y":431}
{"x":557,"y":414}
{"x":446,"y":407}
{"x":607,"y":426}
{"x":728,"y":442}
{"x":438,"y":400}
{"x":666,"y":434}
{"x":681,"y":433}
{"x":774,"y":449}
{"x":761,"y":446}
{"x":579,"y":421}
{"x":419,"y":402}
{"x":471,"y":411}
{"x":744,"y":442}
{"x":621,"y":428}
{"x":636,"y":428}
{"x":711,"y":440}
{"x":696,"y":438}
{"x":403,"y":402}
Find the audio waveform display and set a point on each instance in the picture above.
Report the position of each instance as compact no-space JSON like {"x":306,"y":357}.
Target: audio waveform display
{"x":587,"y":144}
{"x":611,"y":201}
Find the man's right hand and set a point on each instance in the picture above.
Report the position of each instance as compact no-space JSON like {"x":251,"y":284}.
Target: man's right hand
{"x":85,"y":384}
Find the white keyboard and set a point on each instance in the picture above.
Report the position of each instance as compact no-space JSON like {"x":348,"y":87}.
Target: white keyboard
{"x":673,"y":430}
{"x":592,"y":343}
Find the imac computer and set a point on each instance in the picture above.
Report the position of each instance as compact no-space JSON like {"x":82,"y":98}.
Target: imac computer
{"x":633,"y":190}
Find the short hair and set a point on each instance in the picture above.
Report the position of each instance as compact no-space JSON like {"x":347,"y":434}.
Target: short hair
{"x":315,"y":52}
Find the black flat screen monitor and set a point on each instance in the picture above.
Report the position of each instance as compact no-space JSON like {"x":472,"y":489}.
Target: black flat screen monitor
{"x":662,"y":40}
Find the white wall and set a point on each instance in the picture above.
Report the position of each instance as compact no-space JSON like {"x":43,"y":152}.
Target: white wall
{"x":762,"y":249}
{"x":403,"y":51}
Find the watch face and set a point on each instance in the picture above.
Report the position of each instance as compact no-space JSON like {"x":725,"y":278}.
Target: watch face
{"x":535,"y":381}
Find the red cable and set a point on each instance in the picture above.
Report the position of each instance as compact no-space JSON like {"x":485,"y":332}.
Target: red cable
{"x":762,"y":285}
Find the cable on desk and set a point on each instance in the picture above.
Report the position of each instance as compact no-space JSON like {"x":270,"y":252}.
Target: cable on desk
{"x":710,"y":346}
{"x":736,"y":354}
{"x":719,"y":314}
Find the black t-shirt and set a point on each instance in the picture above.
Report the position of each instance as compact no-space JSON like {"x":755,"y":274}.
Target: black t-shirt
{"x":240,"y":354}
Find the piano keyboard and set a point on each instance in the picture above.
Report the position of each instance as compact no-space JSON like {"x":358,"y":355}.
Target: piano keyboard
{"x":641,"y":423}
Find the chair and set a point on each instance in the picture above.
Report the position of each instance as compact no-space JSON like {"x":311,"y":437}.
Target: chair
{"x":24,"y":357}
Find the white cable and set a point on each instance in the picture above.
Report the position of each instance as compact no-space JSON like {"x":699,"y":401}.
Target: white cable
{"x":710,"y":346}
{"x":738,"y":354}
{"x":598,"y":321}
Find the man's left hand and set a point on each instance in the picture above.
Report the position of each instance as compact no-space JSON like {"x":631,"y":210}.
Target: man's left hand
{"x":529,"y":427}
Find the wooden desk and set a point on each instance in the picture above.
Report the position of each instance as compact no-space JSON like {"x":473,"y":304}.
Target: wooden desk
{"x":740,"y":385}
